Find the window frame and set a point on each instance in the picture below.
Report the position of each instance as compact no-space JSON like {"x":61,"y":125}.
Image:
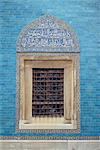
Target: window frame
{"x":69,"y":123}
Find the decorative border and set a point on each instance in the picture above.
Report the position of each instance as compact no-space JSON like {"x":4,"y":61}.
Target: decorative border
{"x":49,"y":138}
{"x":77,"y":99}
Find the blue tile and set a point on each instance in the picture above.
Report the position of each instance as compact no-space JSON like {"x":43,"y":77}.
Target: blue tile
{"x":84,"y":17}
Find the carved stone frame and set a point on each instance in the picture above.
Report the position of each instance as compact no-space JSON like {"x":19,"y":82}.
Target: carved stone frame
{"x":20,"y":91}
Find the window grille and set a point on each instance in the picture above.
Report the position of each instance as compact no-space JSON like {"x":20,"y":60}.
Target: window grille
{"x":47,"y":92}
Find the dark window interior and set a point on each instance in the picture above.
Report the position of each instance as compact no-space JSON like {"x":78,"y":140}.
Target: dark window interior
{"x":47,"y":92}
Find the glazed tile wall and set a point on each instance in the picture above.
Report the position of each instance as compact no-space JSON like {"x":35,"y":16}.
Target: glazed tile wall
{"x":84,"y":17}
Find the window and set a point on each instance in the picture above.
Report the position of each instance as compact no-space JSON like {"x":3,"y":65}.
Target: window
{"x":48,"y":77}
{"x":47,"y":92}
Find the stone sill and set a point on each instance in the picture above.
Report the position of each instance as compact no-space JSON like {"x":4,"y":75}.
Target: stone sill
{"x":50,"y":145}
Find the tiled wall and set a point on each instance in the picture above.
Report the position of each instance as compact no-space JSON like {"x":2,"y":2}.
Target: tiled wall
{"x":84,"y":17}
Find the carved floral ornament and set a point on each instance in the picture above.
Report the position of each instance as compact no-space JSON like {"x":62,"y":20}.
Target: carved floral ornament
{"x":47,"y":34}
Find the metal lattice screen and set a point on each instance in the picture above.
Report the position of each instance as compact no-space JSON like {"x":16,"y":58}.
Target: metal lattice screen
{"x":47,"y":92}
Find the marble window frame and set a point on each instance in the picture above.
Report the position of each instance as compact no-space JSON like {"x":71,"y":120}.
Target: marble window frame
{"x":20,"y":92}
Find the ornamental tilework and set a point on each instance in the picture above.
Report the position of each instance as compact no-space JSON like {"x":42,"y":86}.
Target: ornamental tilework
{"x":47,"y":34}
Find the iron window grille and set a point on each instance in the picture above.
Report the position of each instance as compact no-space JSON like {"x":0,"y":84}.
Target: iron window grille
{"x":47,"y":92}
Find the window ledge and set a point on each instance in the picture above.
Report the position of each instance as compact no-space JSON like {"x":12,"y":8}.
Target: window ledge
{"x":25,"y":124}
